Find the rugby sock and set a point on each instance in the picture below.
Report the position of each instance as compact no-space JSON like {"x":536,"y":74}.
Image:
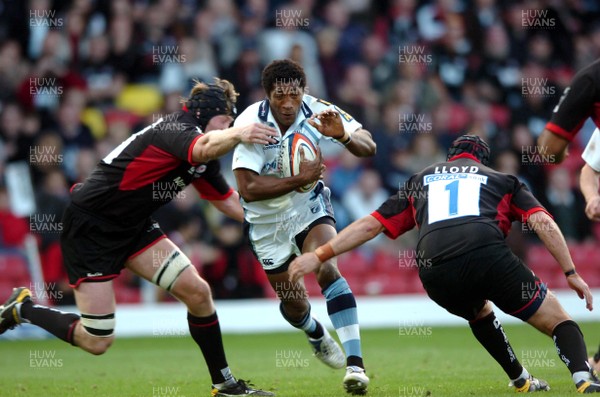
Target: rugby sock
{"x":341,"y":307}
{"x":58,"y":323}
{"x":491,"y":335}
{"x":571,"y":349}
{"x":206,"y":332}
{"x":308,"y":324}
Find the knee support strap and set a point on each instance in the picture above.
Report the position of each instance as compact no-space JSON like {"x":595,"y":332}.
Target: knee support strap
{"x":170,"y":270}
{"x":101,"y":325}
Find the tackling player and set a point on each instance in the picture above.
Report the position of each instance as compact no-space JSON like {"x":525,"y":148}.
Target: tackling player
{"x":580,"y":100}
{"x":463,"y":210}
{"x":108,"y":226}
{"x":589,"y":177}
{"x":283,"y":223}
{"x":589,"y":187}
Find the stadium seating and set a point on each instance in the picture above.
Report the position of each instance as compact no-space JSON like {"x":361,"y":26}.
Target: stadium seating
{"x":14,"y":270}
{"x":379,"y":274}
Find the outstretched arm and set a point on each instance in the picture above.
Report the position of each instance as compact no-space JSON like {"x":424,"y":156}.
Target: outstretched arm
{"x":553,"y":239}
{"x":356,"y":234}
{"x":554,"y":145}
{"x":230,"y":206}
{"x":360,"y":143}
{"x":215,"y":144}
{"x":588,"y":182}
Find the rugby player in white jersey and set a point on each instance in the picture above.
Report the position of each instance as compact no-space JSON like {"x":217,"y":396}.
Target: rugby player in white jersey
{"x":283,"y":223}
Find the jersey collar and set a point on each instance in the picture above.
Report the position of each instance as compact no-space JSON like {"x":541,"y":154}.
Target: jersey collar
{"x":265,"y":115}
{"x":464,"y":156}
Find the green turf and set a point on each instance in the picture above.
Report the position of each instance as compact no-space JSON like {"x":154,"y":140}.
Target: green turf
{"x":405,"y":362}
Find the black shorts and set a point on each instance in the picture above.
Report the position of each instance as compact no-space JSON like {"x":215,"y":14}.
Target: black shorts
{"x":96,"y":249}
{"x":462,"y":285}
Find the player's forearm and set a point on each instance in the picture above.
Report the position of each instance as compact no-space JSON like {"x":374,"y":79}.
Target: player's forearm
{"x":355,"y":235}
{"x":264,"y":187}
{"x":589,"y":183}
{"x":362,"y":144}
{"x":215,"y":144}
{"x":550,"y":234}
{"x":230,"y":206}
{"x":553,"y":145}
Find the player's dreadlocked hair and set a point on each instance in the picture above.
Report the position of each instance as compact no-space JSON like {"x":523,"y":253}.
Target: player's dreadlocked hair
{"x":471,"y":144}
{"x":282,"y":71}
{"x":209,"y":100}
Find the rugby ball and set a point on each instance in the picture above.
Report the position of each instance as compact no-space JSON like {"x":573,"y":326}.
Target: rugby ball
{"x":290,"y":157}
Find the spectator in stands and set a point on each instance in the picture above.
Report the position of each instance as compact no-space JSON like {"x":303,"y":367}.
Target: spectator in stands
{"x":74,"y":134}
{"x":104,"y":81}
{"x":566,"y":204}
{"x":15,"y":142}
{"x":51,"y":202}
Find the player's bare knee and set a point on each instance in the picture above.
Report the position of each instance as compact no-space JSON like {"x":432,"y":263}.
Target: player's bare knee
{"x":196,"y":293}
{"x":98,"y":346}
{"x":295,"y":308}
{"x":95,"y":332}
{"x":485,"y":311}
{"x":327,"y":273}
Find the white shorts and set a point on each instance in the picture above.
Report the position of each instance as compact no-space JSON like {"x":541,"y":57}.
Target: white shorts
{"x":274,"y":243}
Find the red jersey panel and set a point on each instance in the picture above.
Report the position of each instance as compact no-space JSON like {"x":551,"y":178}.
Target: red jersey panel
{"x":148,"y":170}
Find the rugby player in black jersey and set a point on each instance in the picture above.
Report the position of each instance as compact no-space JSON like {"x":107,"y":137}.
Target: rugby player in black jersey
{"x":463,"y":210}
{"x":108,"y":226}
{"x":580,"y":100}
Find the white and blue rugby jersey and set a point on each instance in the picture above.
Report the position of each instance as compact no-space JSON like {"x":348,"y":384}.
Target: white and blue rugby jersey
{"x":264,"y":159}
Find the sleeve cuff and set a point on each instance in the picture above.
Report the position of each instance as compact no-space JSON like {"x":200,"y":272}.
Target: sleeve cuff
{"x":389,"y":228}
{"x":555,"y":129}
{"x":191,"y":150}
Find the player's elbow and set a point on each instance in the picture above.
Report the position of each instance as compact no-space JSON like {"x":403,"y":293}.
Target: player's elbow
{"x":371,"y":227}
{"x":247,"y":194}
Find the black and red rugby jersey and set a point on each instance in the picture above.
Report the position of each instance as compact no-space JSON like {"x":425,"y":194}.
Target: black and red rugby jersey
{"x":148,"y":170}
{"x":579,"y":101}
{"x":473,"y":205}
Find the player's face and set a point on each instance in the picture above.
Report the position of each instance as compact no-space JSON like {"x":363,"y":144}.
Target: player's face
{"x":219,"y":122}
{"x":285,"y":103}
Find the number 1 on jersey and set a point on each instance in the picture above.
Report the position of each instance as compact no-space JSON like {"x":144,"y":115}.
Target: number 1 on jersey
{"x":453,"y":195}
{"x":452,"y":187}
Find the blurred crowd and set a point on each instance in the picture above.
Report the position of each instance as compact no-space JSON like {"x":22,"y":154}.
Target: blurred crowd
{"x":78,"y":77}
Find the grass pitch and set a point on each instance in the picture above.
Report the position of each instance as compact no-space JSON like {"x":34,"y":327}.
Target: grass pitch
{"x":405,"y":362}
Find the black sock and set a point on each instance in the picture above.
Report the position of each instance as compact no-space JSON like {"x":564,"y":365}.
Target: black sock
{"x":490,"y":334}
{"x":570,"y":346}
{"x":355,"y":361}
{"x":318,"y":332}
{"x":597,"y":355}
{"x":206,"y":332}
{"x":59,"y":324}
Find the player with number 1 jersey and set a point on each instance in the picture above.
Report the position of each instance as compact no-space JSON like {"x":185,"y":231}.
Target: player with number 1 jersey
{"x":463,"y":210}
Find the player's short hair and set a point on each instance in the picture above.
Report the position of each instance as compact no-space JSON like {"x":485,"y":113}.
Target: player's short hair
{"x":209,"y":100}
{"x":471,"y":144}
{"x":282,"y":70}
